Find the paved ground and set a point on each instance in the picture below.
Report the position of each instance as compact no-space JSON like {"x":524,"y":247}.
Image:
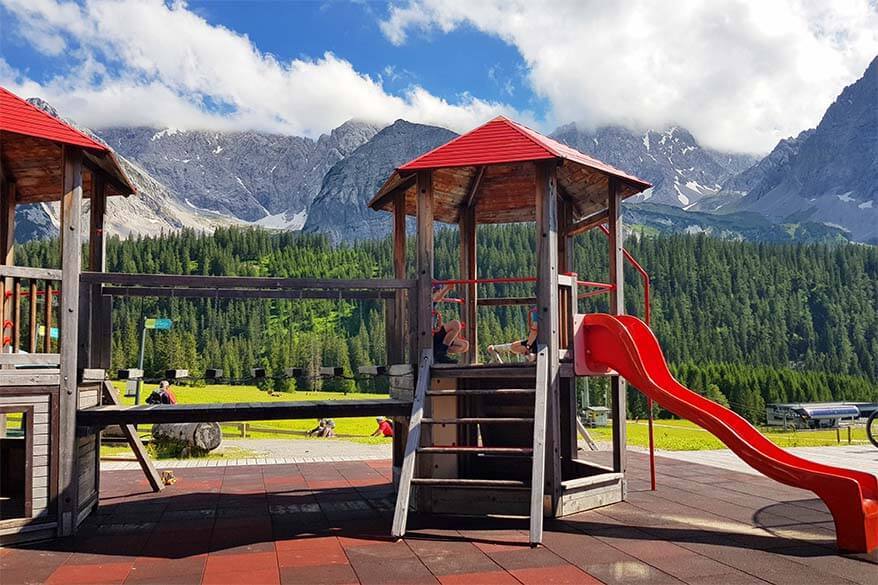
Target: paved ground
{"x":860,"y":457}
{"x":325,"y":523}
{"x":273,"y":452}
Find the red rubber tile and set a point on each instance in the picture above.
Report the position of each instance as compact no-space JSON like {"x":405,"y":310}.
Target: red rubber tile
{"x":561,"y":575}
{"x":304,"y":552}
{"x":104,"y":574}
{"x":252,"y":577}
{"x":485,"y":578}
{"x":318,"y":575}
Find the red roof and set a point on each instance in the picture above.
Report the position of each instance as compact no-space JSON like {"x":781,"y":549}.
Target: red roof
{"x":16,"y":115}
{"x":502,"y":140}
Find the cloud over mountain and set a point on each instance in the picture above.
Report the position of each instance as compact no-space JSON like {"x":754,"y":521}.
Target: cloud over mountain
{"x":740,"y":75}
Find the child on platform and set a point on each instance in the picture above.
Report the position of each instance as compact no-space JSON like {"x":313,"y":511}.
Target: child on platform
{"x":446,"y":336}
{"x":526,"y":347}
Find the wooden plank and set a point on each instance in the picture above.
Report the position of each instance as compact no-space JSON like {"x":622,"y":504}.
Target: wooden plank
{"x":152,"y":475}
{"x":469,"y":271}
{"x":236,"y":293}
{"x":587,"y":223}
{"x":403,"y":496}
{"x":27,"y":359}
{"x":583,"y":432}
{"x":110,"y":414}
{"x":397,"y":313}
{"x":16,"y":316}
{"x":247,"y":282}
{"x":32,"y":318}
{"x":507,"y":301}
{"x":71,"y":263}
{"x":49,"y":377}
{"x":618,"y":387}
{"x":47,"y":317}
{"x":30,"y":273}
{"x":425,"y":260}
{"x":538,"y":466}
{"x":547,"y":304}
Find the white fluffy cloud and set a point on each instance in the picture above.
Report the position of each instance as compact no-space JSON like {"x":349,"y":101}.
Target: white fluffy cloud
{"x":151,"y":63}
{"x":739,"y":74}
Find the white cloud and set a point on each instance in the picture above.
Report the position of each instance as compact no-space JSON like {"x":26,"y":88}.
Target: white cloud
{"x":740,"y":75}
{"x":151,"y":63}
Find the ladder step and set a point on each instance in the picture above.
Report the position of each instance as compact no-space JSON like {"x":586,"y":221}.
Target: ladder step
{"x":481,"y":392}
{"x":509,"y":484}
{"x":485,"y":450}
{"x":478,"y":420}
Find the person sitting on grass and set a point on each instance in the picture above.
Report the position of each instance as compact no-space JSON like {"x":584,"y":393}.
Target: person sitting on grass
{"x":526,"y":347}
{"x":446,"y":336}
{"x":162,"y":395}
{"x":385,"y":427}
{"x":325,"y":428}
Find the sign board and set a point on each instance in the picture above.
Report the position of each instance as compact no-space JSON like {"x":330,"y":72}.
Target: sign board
{"x":163,"y":324}
{"x":131,"y":388}
{"x":53,"y":332}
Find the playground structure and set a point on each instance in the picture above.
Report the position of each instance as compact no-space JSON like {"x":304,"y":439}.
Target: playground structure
{"x":474,"y":439}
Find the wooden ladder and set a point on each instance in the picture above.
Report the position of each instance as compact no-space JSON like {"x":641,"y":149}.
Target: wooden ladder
{"x":536,"y":452}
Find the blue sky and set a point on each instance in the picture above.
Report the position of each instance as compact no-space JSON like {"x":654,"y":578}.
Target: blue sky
{"x":739,"y":74}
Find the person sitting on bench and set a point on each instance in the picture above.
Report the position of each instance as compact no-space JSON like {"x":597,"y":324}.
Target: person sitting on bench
{"x":526,"y":347}
{"x":162,"y":395}
{"x":446,"y":336}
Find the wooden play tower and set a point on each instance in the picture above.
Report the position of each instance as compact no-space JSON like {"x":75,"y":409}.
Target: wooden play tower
{"x":502,"y":438}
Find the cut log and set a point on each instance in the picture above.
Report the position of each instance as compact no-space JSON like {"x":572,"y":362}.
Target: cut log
{"x":190,"y":438}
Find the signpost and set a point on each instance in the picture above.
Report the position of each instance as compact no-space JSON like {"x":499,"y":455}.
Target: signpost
{"x":159,"y":324}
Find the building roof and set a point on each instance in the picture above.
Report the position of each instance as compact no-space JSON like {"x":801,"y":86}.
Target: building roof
{"x":502,"y":140}
{"x":21,"y":117}
{"x":31,"y":142}
{"x":495,"y":160}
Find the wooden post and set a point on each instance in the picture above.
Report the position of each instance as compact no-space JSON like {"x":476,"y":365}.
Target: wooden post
{"x":568,"y":309}
{"x":425,"y":261}
{"x":396,"y":324}
{"x":7,"y":254}
{"x":32,"y":325}
{"x":71,"y":262}
{"x":547,"y":305}
{"x":100,"y":326}
{"x":469,"y":271}
{"x":397,"y":313}
{"x":618,"y":387}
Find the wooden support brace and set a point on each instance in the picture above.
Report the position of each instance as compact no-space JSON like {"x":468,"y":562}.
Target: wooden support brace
{"x":149,"y":470}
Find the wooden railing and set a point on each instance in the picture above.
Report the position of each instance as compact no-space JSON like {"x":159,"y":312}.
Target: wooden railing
{"x":28,"y":307}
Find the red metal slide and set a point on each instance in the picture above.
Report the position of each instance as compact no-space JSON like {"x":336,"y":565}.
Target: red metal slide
{"x":628,"y":346}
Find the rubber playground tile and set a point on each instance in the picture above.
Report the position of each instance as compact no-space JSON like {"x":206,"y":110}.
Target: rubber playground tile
{"x":527,"y":558}
{"x":168,"y":571}
{"x":97,"y":574}
{"x":444,"y":557}
{"x":267,"y":576}
{"x":630,"y":572}
{"x":560,"y":575}
{"x":480,"y":578}
{"x":318,"y":575}
{"x":388,"y":563}
{"x":303,"y":552}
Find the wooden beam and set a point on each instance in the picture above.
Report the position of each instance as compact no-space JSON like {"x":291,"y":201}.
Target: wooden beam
{"x":98,"y":317}
{"x":240,"y":293}
{"x":618,"y":387}
{"x":547,"y":305}
{"x":469,"y":271}
{"x":30,"y":273}
{"x":425,"y":261}
{"x":391,"y":195}
{"x":242,"y":282}
{"x":71,"y":262}
{"x":102,"y":416}
{"x":7,"y":257}
{"x":473,"y":191}
{"x":109,"y":396}
{"x":588,"y":223}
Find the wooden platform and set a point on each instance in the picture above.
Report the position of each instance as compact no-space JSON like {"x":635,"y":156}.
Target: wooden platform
{"x":240,"y":411}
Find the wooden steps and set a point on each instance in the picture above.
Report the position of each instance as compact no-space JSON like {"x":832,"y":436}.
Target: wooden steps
{"x":518,"y":381}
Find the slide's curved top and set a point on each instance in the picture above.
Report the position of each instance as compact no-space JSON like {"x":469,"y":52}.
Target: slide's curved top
{"x":628,"y":346}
